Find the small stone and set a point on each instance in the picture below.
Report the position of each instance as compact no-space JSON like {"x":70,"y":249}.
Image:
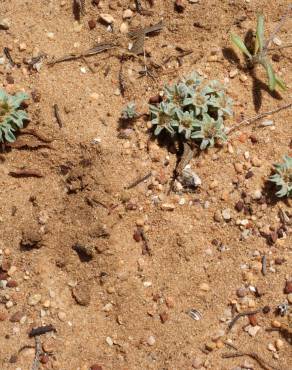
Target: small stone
{"x":233,"y":73}
{"x":44,"y":358}
{"x":107,"y":18}
{"x":127,"y":14}
{"x":81,"y":293}
{"x":12,"y":270}
{"x":22,"y":46}
{"x":62,"y":316}
{"x":9,"y":304}
{"x":288,"y":287}
{"x":51,"y":35}
{"x":256,"y":162}
{"x":95,"y":367}
{"x":12,"y":284}
{"x":253,"y":320}
{"x":257,"y":194}
{"x":179,"y":5}
{"x":238,"y":167}
{"x":277,"y":41}
{"x":241,"y":292}
{"x":124,"y":27}
{"x":91,"y":24}
{"x":226,"y":213}
{"x":271,"y":347}
{"x":253,"y":330}
{"x":163,"y":317}
{"x":109,"y":341}
{"x":84,"y":251}
{"x":167,"y":207}
{"x":210,"y":346}
{"x":242,"y":77}
{"x":205,"y":287}
{"x":276,"y":324}
{"x":169,"y":302}
{"x":151,"y":340}
{"x":16,"y":317}
{"x":279,"y":344}
{"x":218,"y":216}
{"x":3,"y":316}
{"x":289,"y":298}
{"x":4,"y":24}
{"x":34,"y":299}
{"x":239,"y":206}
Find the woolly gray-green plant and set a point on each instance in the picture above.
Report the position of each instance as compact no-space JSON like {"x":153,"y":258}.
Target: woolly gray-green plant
{"x":283,"y":177}
{"x":129,"y":111}
{"x":195,"y":109}
{"x":11,"y":116}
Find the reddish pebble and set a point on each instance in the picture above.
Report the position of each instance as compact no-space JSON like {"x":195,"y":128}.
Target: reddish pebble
{"x":137,"y":236}
{"x":253,"y":320}
{"x":3,"y":316}
{"x":169,"y":302}
{"x":5,"y":266}
{"x":44,"y":359}
{"x":163,"y":317}
{"x":3,"y":276}
{"x":239,"y":206}
{"x":279,"y":261}
{"x":92,"y":24}
{"x":155,"y":99}
{"x":253,"y":139}
{"x":95,"y":367}
{"x":12,"y":284}
{"x":288,"y":287}
{"x":16,"y":317}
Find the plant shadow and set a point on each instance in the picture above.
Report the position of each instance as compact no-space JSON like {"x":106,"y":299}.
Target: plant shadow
{"x":258,"y":86}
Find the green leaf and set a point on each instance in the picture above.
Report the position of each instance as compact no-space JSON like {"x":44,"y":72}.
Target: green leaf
{"x":270,"y":72}
{"x":259,"y":34}
{"x":240,"y":44}
{"x":280,"y":83}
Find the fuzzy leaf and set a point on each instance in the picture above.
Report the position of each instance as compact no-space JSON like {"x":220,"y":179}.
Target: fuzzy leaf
{"x":270,"y":72}
{"x":240,"y":44}
{"x":280,"y":83}
{"x":259,"y":34}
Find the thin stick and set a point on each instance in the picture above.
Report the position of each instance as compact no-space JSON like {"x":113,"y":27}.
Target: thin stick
{"x":264,"y":265}
{"x":138,"y":181}
{"x":278,"y":27}
{"x":57,"y":115}
{"x":242,"y":314}
{"x":38,"y":352}
{"x":254,"y":356}
{"x":251,"y":120}
{"x":281,"y":47}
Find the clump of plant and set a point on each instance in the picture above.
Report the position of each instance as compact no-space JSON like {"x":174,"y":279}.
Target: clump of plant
{"x":129,"y":112}
{"x":195,"y":109}
{"x":283,"y":177}
{"x":11,"y":116}
{"x":259,"y":54}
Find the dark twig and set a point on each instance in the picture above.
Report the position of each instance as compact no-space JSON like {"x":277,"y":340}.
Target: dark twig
{"x":41,"y":330}
{"x":254,"y":356}
{"x":264,"y":265}
{"x":138,"y":181}
{"x":242,"y":314}
{"x":33,"y":132}
{"x":122,"y":84}
{"x":146,"y":248}
{"x":25,"y":173}
{"x":138,"y":6}
{"x":57,"y":115}
{"x":9,"y":57}
{"x":251,"y":120}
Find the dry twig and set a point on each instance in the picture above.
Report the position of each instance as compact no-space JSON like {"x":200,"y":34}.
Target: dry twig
{"x":57,"y":115}
{"x":138,"y":181}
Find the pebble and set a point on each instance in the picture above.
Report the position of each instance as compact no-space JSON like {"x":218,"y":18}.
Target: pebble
{"x":95,"y":367}
{"x":4,"y":24}
{"x":109,"y":341}
{"x":218,"y":216}
{"x":22,"y":46}
{"x":277,"y":41}
{"x":267,"y":123}
{"x":3,"y":316}
{"x":252,"y":330}
{"x":205,"y":287}
{"x":51,"y":35}
{"x":16,"y":317}
{"x":276,"y":324}
{"x":81,"y":293}
{"x":151,"y":340}
{"x":127,"y":14}
{"x":239,"y":206}
{"x":241,"y":292}
{"x":226,"y":213}
{"x":34,"y":299}
{"x":256,"y":162}
{"x":92,"y":24}
{"x":124,"y":27}
{"x":257,"y":194}
{"x":242,"y":77}
{"x":167,"y":207}
{"x":238,"y":167}
{"x":12,"y":270}
{"x":210,"y":346}
{"x":197,"y":363}
{"x":61,"y":316}
{"x":9,"y":304}
{"x":253,"y":320}
{"x":107,"y":18}
{"x":233,"y":73}
{"x":289,"y":298}
{"x":163,"y":317}
{"x":279,"y":344}
{"x":271,"y":347}
{"x":288,"y":287}
{"x":169,"y":302}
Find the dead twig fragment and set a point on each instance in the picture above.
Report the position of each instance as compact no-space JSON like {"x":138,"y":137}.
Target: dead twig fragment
{"x":138,"y":6}
{"x":33,"y":132}
{"x":251,"y":120}
{"x":25,"y":173}
{"x":38,"y":352}
{"x":146,"y":250}
{"x":26,"y":145}
{"x":9,"y":57}
{"x":138,"y":36}
{"x":122,"y":84}
{"x":138,"y":181}
{"x":252,"y":355}
{"x":246,"y":313}
{"x":41,"y":330}
{"x":57,"y":115}
{"x":264,"y":265}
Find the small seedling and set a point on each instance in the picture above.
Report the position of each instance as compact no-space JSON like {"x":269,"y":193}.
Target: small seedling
{"x":194,"y":109}
{"x":259,"y":54}
{"x":283,"y":177}
{"x":129,"y":112}
{"x":11,"y":116}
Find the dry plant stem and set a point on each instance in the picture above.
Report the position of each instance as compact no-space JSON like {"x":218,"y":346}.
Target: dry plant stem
{"x":249,"y":121}
{"x":138,"y":181}
{"x":57,"y":115}
{"x":38,"y":352}
{"x":32,"y":132}
{"x":277,"y":29}
{"x":254,"y":356}
{"x":242,"y":314}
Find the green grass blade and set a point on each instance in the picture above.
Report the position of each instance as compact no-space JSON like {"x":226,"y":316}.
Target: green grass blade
{"x":259,"y":34}
{"x":237,"y":41}
{"x":271,"y":75}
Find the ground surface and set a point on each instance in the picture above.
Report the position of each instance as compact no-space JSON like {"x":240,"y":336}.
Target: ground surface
{"x":113,"y":304}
